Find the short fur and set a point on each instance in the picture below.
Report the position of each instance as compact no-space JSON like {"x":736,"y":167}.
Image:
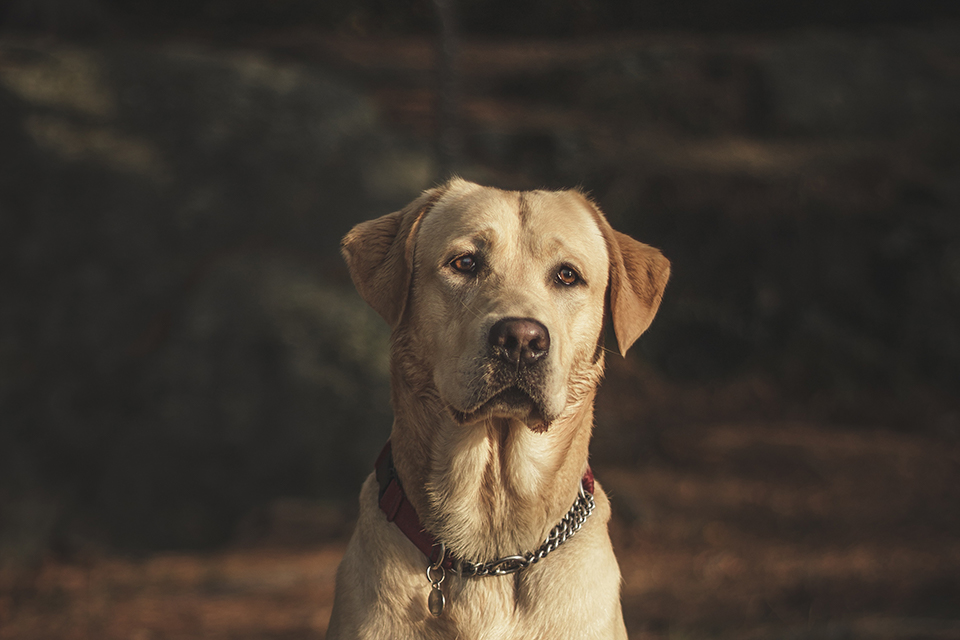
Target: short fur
{"x":491,"y":476}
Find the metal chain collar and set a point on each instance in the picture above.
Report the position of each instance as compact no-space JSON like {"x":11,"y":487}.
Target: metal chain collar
{"x":582,"y":508}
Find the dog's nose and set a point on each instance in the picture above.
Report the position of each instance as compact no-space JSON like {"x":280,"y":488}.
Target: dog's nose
{"x":521,"y":341}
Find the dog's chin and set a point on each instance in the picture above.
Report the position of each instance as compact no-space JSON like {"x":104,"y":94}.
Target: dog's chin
{"x":510,"y":403}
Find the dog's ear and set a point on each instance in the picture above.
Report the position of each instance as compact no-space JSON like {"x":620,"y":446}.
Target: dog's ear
{"x":638,"y":276}
{"x":379,"y":254}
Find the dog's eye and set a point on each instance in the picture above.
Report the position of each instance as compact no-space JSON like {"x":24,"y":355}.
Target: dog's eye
{"x":567,"y":276}
{"x":465,"y":263}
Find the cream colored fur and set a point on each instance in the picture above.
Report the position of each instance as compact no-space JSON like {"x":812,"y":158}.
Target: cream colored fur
{"x":492,"y":480}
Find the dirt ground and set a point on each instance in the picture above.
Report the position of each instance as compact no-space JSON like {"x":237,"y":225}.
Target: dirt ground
{"x":733,"y":531}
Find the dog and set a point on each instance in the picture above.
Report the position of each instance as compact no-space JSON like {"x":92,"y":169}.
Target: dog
{"x":482,"y":519}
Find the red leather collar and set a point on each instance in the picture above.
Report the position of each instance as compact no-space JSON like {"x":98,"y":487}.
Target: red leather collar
{"x":394,"y":503}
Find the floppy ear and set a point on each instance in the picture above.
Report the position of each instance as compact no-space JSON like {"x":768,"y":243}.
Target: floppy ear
{"x":379,"y":254}
{"x":638,"y":276}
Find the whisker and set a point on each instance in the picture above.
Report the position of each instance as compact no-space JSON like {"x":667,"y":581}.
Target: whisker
{"x":473,"y":312}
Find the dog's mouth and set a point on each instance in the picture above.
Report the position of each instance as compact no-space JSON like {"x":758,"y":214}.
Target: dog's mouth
{"x":510,"y":402}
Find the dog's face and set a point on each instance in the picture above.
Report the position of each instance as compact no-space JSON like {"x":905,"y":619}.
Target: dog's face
{"x":508,"y":288}
{"x":501,"y":295}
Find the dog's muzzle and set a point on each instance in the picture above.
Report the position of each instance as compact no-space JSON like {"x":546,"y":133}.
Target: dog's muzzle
{"x":514,"y":374}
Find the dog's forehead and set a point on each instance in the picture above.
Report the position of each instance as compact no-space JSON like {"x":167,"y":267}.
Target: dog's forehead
{"x":565,"y":215}
{"x":466,"y":212}
{"x":546,"y":218}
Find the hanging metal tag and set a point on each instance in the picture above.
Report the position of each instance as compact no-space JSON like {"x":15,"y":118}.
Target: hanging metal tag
{"x":436,"y":600}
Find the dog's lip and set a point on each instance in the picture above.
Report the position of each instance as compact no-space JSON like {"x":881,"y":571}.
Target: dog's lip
{"x":508,"y":402}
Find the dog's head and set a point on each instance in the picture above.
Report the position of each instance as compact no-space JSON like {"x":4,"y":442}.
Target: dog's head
{"x":502,"y":295}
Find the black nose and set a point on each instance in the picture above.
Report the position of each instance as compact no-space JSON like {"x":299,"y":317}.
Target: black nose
{"x":519,"y":341}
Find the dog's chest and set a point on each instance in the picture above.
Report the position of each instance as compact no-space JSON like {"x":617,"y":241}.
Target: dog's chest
{"x":487,"y":607}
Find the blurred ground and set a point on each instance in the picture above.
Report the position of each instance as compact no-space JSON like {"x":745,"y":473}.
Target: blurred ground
{"x":184,"y":365}
{"x":737,"y":531}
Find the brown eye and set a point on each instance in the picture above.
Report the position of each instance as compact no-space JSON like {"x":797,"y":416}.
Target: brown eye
{"x":465,"y":263}
{"x":568,"y":276}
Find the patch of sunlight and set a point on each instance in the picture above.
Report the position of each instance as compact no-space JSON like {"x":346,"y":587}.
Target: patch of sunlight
{"x":70,"y":80}
{"x":743,"y":155}
{"x":76,"y":143}
{"x":257,"y":71}
{"x":399,"y":173}
{"x":253,"y":69}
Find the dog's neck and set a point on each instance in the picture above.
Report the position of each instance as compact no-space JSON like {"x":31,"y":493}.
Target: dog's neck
{"x":491,"y":488}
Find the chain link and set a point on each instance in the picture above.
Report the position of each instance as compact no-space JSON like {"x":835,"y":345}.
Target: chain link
{"x":582,"y":508}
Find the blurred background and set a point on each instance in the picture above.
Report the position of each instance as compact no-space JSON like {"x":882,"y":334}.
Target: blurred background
{"x":191,"y":391}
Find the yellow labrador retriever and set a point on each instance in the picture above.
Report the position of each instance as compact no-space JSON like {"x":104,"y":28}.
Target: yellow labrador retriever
{"x":482,"y":519}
